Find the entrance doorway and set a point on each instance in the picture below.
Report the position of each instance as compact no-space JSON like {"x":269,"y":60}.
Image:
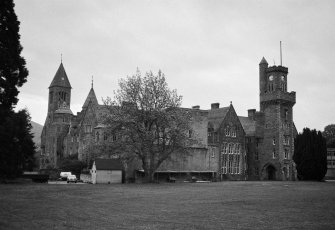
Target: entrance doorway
{"x":270,"y":173}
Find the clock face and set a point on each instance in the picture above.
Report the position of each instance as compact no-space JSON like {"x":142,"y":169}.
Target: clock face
{"x":271,"y":78}
{"x":283,"y":78}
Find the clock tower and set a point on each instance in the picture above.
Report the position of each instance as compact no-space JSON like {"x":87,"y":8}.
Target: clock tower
{"x":277,"y":106}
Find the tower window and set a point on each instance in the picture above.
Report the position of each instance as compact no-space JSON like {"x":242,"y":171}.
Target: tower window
{"x":274,"y":154}
{"x":274,"y":141}
{"x":285,"y":154}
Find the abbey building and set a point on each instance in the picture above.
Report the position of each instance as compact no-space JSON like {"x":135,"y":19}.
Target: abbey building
{"x":258,"y":146}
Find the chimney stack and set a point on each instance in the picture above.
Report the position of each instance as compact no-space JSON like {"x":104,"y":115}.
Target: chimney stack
{"x":215,"y":105}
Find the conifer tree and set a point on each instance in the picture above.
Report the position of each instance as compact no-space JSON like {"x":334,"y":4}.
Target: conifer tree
{"x":310,"y":155}
{"x":17,"y":148}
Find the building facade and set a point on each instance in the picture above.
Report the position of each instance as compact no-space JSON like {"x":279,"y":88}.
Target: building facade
{"x":230,"y":147}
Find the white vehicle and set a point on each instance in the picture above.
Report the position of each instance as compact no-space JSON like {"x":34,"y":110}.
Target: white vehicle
{"x":72,"y":178}
{"x":64,"y":175}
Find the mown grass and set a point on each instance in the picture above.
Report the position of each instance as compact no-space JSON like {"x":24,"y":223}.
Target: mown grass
{"x":222,"y":205}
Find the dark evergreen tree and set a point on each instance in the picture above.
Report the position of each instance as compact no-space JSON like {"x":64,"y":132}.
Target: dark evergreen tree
{"x":17,"y":147}
{"x":12,"y":66}
{"x":310,"y":155}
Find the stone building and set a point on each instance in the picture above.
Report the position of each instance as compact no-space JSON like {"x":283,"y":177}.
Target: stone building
{"x":230,"y":147}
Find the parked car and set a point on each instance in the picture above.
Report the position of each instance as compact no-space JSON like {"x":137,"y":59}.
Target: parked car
{"x":71,"y":178}
{"x":64,"y":175}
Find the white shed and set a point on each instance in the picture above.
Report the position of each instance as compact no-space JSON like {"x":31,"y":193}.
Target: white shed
{"x":106,"y":171}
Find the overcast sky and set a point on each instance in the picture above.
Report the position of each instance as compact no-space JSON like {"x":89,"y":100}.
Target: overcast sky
{"x":208,"y":50}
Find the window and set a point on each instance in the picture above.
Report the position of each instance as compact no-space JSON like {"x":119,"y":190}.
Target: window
{"x":213,"y":152}
{"x":51,"y":94}
{"x":88,"y":128}
{"x":233,"y":132}
{"x":189,"y":133}
{"x":210,"y":131}
{"x":256,"y":171}
{"x":97,"y":137}
{"x":286,"y":140}
{"x":285,"y":154}
{"x":105,"y":136}
{"x":114,"y":137}
{"x":216,"y":137}
{"x":274,"y":141}
{"x":274,"y":154}
{"x":227,"y":131}
{"x":286,"y":114}
{"x":256,"y":155}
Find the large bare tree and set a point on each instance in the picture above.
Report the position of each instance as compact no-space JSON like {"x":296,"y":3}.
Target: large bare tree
{"x":145,"y":122}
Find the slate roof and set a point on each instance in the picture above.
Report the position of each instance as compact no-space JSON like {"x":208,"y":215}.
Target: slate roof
{"x":90,"y":98}
{"x":248,"y":125}
{"x":60,"y":78}
{"x":108,"y":164}
{"x":216,"y":116}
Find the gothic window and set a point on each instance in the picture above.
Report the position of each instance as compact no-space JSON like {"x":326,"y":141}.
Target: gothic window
{"x":114,"y":137}
{"x":286,"y":140}
{"x":105,"y":136}
{"x":286,"y":114}
{"x":274,"y":154}
{"x":285,"y":154}
{"x":274,"y":141}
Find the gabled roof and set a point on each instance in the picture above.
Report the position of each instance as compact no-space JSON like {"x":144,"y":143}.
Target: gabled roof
{"x":248,"y":125}
{"x":216,"y":116}
{"x":90,"y":98}
{"x":108,"y":164}
{"x":60,"y":78}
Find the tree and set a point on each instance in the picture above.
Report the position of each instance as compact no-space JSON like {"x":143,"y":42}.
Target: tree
{"x":72,"y":164}
{"x":145,"y":122}
{"x":13,"y":72}
{"x":310,"y":155}
{"x":17,"y":147}
{"x":329,"y":134}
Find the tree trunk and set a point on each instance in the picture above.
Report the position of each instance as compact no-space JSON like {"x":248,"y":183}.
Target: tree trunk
{"x":149,"y":176}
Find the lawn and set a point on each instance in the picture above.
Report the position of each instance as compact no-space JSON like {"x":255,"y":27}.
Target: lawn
{"x":222,"y":205}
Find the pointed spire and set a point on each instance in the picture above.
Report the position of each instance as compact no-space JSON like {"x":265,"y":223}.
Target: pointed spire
{"x":92,"y":82}
{"x":91,"y":98}
{"x":60,"y":78}
{"x":263,"y":61}
{"x":61,"y":58}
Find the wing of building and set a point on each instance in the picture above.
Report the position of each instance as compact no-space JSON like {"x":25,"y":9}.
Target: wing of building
{"x":258,"y":146}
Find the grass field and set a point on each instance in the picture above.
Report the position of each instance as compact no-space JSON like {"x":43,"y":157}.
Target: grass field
{"x":224,"y":205}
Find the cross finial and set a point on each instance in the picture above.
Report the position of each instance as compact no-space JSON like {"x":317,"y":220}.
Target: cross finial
{"x":61,"y":58}
{"x":92,"y":82}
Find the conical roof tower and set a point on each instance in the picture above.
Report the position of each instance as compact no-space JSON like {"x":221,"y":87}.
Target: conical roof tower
{"x":60,"y":79}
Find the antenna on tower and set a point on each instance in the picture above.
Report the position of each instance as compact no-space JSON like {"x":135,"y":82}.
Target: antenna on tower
{"x":92,"y":82}
{"x":281,"y":60}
